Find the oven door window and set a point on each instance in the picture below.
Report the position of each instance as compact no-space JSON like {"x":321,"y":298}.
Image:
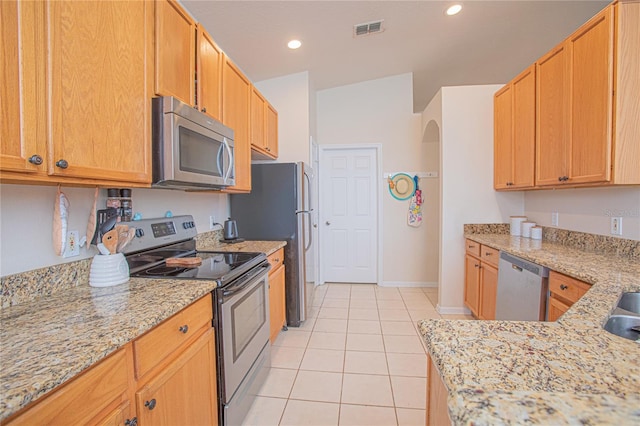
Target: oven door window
{"x":200,"y":154}
{"x":248,"y":316}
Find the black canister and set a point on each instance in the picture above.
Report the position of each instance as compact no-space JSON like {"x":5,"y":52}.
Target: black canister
{"x":127,"y":204}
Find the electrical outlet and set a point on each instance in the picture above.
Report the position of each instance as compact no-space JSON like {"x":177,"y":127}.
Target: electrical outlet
{"x":616,"y":226}
{"x":554,"y":219}
{"x":212,"y":222}
{"x":72,"y":247}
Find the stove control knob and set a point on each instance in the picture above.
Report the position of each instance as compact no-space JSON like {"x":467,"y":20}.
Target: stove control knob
{"x":192,"y":224}
{"x":185,"y":225}
{"x":139,"y":232}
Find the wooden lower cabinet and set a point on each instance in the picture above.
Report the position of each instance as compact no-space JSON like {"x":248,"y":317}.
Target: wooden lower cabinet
{"x":93,"y":397}
{"x":481,"y":280}
{"x":185,"y":391}
{"x":564,"y":291}
{"x":437,"y":411}
{"x":179,"y":390}
{"x":277,"y":297}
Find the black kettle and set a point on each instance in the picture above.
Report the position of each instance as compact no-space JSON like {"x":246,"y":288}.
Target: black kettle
{"x":230,"y":229}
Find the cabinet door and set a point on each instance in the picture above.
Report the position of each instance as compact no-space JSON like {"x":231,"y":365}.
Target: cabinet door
{"x":552,"y":85}
{"x":100,"y":93}
{"x":19,"y":26}
{"x":236,"y":95}
{"x":272,"y":130}
{"x":488,"y":291}
{"x":591,"y":100}
{"x":185,"y":392}
{"x":556,"y":309}
{"x":502,"y":138}
{"x":119,"y":417}
{"x":209,"y":75}
{"x":175,"y":51}
{"x":524,"y":129}
{"x":258,"y":139}
{"x":472,"y":284}
{"x":277,"y":310}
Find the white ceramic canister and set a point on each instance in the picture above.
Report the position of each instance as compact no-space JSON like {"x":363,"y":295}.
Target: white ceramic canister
{"x":536,"y":232}
{"x":516,"y":225}
{"x":526,"y":229}
{"x":108,"y":270}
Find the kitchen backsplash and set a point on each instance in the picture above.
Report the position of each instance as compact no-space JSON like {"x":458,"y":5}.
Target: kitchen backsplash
{"x":580,"y":240}
{"x":25,"y":286}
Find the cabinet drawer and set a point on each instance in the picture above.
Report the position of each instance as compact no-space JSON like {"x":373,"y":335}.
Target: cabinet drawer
{"x":160,"y":342}
{"x":84,"y":397}
{"x":472,"y":248}
{"x":489,"y":255}
{"x":276,"y":259}
{"x":566,"y":287}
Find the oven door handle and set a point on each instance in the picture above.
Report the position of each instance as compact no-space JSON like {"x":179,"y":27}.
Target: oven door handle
{"x":246,"y":280}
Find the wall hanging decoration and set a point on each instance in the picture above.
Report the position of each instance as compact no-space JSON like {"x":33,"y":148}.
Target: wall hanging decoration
{"x":414,"y":217}
{"x":401,"y":186}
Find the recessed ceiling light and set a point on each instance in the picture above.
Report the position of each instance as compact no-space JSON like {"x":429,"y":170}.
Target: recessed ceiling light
{"x":294,"y":44}
{"x":454,"y":9}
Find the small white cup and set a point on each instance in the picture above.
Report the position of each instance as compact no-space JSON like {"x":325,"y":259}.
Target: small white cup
{"x":526,"y":229}
{"x":536,"y":233}
{"x":108,"y":270}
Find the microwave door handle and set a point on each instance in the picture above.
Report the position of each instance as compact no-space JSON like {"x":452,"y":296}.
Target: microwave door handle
{"x":219,"y":158}
{"x":228,"y":172}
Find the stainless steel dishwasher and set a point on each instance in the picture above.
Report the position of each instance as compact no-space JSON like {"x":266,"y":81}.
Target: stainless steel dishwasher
{"x":522,"y":290}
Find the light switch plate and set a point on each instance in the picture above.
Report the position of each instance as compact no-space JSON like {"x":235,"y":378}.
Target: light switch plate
{"x":616,"y":226}
{"x":72,"y":247}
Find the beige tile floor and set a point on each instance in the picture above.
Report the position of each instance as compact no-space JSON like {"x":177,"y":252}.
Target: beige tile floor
{"x":357,"y":360}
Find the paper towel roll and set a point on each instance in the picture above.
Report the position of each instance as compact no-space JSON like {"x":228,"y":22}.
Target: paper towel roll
{"x":536,"y":232}
{"x":526,"y":229}
{"x":516,"y":224}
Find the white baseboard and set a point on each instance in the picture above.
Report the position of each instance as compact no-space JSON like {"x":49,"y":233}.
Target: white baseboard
{"x":452,"y":310}
{"x":408,"y":284}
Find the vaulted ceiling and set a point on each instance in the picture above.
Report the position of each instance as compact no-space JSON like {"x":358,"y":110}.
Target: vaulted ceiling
{"x":488,"y":42}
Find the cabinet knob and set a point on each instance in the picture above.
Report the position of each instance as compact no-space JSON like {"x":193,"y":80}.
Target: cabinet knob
{"x":35,"y":159}
{"x":488,"y":253}
{"x":150,"y":404}
{"x":268,"y":149}
{"x":62,"y":163}
{"x":184,"y":329}
{"x":476,"y":265}
{"x":563,"y":287}
{"x":131,"y":422}
{"x":327,"y":223}
{"x":204,"y":109}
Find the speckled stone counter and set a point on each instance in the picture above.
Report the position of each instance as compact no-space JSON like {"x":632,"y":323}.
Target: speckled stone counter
{"x":567,"y":372}
{"x":48,"y":340}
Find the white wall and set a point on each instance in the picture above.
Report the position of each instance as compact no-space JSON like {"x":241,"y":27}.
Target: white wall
{"x":381,"y":112}
{"x":291,"y":98}
{"x":466,"y":190}
{"x":26,"y":213}
{"x":587,"y":209}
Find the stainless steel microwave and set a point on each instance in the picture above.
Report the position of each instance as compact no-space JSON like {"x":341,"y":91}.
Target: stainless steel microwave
{"x":190,"y":150}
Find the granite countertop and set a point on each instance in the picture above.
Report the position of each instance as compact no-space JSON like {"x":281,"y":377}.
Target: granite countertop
{"x":49,"y":340}
{"x":568,"y":371}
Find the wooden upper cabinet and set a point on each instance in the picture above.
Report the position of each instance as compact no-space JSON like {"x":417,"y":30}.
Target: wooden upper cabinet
{"x":236,"y":99}
{"x":552,"y":78}
{"x":209,"y":72}
{"x":514,"y":132}
{"x":100,"y":89}
{"x":258,"y":134}
{"x":19,"y":84}
{"x":502,"y":138}
{"x":272,"y":130}
{"x":175,"y":37}
{"x":591,"y":100}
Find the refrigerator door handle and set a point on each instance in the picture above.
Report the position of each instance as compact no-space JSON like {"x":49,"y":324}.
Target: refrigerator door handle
{"x":304,"y":211}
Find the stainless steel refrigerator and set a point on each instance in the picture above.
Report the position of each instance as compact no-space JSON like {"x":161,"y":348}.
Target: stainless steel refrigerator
{"x":279,"y":208}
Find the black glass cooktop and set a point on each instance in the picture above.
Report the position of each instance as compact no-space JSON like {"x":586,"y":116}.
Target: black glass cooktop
{"x":219,"y":266}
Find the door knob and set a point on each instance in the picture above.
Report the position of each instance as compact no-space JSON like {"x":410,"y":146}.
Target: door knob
{"x":327,"y":223}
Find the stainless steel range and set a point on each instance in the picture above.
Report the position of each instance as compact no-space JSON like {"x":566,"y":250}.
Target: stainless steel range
{"x":241,"y":303}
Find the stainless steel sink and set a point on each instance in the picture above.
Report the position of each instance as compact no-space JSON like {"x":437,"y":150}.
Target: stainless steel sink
{"x":627,"y":326}
{"x":630,"y":302}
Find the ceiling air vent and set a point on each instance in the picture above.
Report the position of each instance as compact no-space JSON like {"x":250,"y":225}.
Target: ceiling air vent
{"x":368,"y":28}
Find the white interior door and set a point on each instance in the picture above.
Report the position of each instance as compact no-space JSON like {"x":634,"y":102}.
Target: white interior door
{"x":349,"y":214}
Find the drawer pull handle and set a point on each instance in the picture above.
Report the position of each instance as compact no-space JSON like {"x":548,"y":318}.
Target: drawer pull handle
{"x":472,"y":246}
{"x":184,"y":329}
{"x":150,"y":404}
{"x":563,"y":287}
{"x":476,"y":265}
{"x":488,"y":254}
{"x":276,"y":260}
{"x":131,"y":422}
